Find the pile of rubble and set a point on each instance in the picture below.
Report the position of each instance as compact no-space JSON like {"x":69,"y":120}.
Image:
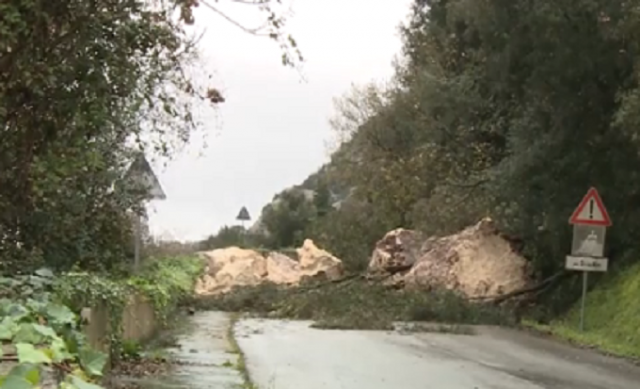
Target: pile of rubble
{"x":234,"y":266}
{"x":478,"y":261}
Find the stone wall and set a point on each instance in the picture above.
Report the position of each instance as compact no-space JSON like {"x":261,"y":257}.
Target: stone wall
{"x":138,"y":323}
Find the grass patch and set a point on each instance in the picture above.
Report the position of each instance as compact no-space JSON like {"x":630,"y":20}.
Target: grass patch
{"x":355,"y":304}
{"x":612,"y":314}
{"x":588,"y":339}
{"x":240,"y":365}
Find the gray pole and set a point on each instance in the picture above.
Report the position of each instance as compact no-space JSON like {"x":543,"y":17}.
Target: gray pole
{"x":137,"y":233}
{"x":584,"y":299}
{"x":244,"y":235}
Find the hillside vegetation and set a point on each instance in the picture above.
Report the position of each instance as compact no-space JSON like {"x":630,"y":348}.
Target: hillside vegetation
{"x":612,"y":313}
{"x":507,"y":109}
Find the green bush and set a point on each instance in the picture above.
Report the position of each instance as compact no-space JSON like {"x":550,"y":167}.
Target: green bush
{"x":168,"y":281}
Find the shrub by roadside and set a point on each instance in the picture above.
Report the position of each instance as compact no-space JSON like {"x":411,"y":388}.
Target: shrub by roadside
{"x":355,"y":304}
{"x":168,"y":281}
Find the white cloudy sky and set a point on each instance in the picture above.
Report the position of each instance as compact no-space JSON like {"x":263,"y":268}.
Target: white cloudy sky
{"x":271,"y":132}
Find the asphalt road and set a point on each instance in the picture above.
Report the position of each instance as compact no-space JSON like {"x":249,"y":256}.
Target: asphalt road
{"x":291,"y":355}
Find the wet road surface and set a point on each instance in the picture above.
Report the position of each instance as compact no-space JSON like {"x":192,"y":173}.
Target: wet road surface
{"x":203,"y":357}
{"x":291,"y":355}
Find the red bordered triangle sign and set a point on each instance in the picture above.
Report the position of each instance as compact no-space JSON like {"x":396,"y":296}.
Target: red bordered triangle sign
{"x":591,"y":211}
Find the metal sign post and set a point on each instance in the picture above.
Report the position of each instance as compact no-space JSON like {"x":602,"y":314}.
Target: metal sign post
{"x":137,"y":237}
{"x":243,"y":216}
{"x":590,"y":221}
{"x":141,"y":175}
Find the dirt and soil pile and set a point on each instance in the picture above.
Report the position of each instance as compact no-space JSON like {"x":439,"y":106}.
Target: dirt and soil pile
{"x":234,"y":266}
{"x":478,"y":261}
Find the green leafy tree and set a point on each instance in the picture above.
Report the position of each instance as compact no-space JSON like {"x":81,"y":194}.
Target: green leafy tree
{"x":503,"y":109}
{"x":287,"y":218}
{"x":84,"y":87}
{"x":528,"y":97}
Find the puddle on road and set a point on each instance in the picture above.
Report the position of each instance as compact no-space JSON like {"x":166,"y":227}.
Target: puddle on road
{"x":203,"y":357}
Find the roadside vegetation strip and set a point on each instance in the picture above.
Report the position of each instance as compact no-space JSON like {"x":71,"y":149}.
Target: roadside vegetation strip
{"x":165,"y":282}
{"x":611,"y":317}
{"x":357,"y":305}
{"x":241,"y":365}
{"x":590,"y":340}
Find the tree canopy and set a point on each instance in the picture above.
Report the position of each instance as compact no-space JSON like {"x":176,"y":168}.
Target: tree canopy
{"x":507,"y":109}
{"x":84,"y":87}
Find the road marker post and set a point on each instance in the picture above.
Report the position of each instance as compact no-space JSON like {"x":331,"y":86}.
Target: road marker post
{"x":590,"y":221}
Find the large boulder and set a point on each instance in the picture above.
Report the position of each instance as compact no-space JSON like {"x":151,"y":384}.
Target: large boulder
{"x":229,"y":267}
{"x":477,"y":262}
{"x":282,"y":270}
{"x":233,"y":266}
{"x":398,"y":249}
{"x":314,"y":260}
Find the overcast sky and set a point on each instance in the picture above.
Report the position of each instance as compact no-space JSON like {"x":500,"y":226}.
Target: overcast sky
{"x":272,"y":131}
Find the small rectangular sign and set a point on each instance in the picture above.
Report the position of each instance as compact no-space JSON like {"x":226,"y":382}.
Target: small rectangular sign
{"x":586,"y":263}
{"x":588,"y":241}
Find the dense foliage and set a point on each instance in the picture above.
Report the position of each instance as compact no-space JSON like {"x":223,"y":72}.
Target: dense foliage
{"x":40,"y":329}
{"x":84,"y":87}
{"x":508,"y":109}
{"x":42,"y":338}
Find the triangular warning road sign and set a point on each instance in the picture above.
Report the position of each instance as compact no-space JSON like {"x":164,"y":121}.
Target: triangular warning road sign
{"x":591,"y":211}
{"x":243,"y":215}
{"x":141,"y":174}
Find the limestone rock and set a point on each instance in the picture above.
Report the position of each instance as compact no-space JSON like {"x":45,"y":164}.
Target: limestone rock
{"x":282,"y":270}
{"x":397,"y":249}
{"x":234,"y":266}
{"x":229,"y":267}
{"x":477,"y":261}
{"x":314,"y":260}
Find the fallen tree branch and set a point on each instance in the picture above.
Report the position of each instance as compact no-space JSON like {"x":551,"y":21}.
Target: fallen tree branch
{"x":319,"y":285}
{"x":539,"y":288}
{"x":365,"y":275}
{"x":397,"y":269}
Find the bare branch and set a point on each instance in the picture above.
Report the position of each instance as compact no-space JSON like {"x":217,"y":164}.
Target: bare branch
{"x":252,"y":2}
{"x":252,"y":31}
